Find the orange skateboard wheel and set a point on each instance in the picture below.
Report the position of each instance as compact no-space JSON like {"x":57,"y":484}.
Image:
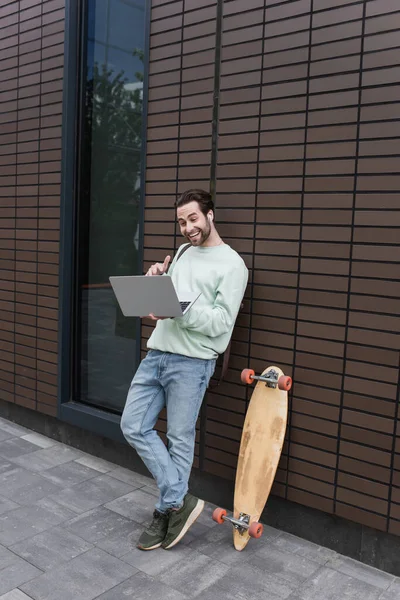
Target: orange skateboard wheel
{"x":246,"y":376}
{"x":284,"y":383}
{"x":218,"y":515}
{"x":256,"y":530}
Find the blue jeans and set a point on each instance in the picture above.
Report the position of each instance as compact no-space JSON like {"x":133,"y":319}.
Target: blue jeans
{"x":179,"y":384}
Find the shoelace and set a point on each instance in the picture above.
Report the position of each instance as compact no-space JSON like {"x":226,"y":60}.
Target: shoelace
{"x":156,"y":517}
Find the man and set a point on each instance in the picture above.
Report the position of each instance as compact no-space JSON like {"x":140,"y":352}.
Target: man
{"x":181,"y":360}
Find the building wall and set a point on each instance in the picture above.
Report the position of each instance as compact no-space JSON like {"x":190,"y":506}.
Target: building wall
{"x":307,"y":191}
{"x":31,"y":72}
{"x":307,"y":145}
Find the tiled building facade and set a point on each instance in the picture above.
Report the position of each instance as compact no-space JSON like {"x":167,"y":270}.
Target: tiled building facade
{"x":289,"y":112}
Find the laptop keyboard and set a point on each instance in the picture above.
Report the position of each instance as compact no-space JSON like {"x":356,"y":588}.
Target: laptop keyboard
{"x":184,"y":305}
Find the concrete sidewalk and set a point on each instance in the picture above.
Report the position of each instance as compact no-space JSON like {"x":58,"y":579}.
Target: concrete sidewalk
{"x":69,"y":522}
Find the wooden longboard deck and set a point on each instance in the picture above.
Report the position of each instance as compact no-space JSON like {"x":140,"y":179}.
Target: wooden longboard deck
{"x":260,"y":450}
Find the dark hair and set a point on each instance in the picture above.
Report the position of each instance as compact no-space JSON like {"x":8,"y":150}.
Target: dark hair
{"x":203,"y":199}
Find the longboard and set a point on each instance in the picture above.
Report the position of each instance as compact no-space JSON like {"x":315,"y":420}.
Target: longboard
{"x":260,"y":450}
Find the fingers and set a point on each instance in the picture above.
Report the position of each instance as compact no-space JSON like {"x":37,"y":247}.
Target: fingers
{"x":166,"y":263}
{"x":154,"y":318}
{"x":154,"y":270}
{"x":158,"y":268}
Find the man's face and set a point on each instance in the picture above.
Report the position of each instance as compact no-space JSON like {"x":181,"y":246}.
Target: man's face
{"x":195,"y":227}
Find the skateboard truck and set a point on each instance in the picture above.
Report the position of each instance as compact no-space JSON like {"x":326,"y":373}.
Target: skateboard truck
{"x":271,"y":379}
{"x":242,"y":524}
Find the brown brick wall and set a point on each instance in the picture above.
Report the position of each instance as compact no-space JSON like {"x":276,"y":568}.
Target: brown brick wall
{"x":307,"y":191}
{"x":31,"y":71}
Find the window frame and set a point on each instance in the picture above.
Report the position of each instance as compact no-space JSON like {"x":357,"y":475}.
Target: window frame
{"x":85,"y":416}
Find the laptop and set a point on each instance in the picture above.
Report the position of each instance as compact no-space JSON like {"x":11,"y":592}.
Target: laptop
{"x":140,"y":295}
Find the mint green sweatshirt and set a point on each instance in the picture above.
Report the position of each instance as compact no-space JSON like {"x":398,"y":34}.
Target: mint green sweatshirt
{"x":220,"y":274}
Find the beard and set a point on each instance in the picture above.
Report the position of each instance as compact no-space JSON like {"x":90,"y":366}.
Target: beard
{"x":204,"y":234}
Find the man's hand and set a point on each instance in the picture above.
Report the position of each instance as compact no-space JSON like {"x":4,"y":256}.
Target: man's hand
{"x":154,"y":318}
{"x":159,"y":268}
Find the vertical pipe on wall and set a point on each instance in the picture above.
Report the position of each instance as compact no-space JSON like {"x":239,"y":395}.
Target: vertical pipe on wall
{"x":357,"y":152}
{"x":251,"y":280}
{"x":396,"y":433}
{"x":296,"y":316}
{"x":216,"y":99}
{"x":213,"y":181}
{"x":179,"y":118}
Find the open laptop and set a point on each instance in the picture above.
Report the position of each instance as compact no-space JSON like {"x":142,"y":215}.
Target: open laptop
{"x":140,"y":295}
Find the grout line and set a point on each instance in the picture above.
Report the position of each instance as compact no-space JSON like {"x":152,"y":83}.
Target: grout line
{"x":351,"y":261}
{"x":301,"y":222}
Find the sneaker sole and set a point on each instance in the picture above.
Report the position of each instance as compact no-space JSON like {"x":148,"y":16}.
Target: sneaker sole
{"x":150,"y":548}
{"x":194,"y":515}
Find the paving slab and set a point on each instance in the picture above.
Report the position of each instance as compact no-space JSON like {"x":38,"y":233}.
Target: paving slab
{"x":6,"y":465}
{"x":97,"y":524}
{"x":134,"y":479}
{"x":365,"y":573}
{"x":6,"y":505}
{"x":51,"y":548}
{"x":46,"y":458}
{"x":15,"y":595}
{"x":69,"y":523}
{"x":165,"y":559}
{"x":292,"y":568}
{"x":256,"y":584}
{"x":103,"y":466}
{"x":83,"y":578}
{"x":142,"y":587}
{"x":17,"y":573}
{"x":122,"y":541}
{"x":137,"y":505}
{"x":13,"y":428}
{"x":6,"y":557}
{"x":91,"y":493}
{"x":15,"y":447}
{"x":39,"y":440}
{"x":5,"y":435}
{"x":193,"y":574}
{"x":217,"y":544}
{"x":25,"y":487}
{"x":393,"y":593}
{"x":25,"y":522}
{"x":293,"y":544}
{"x":333,"y":585}
{"x":69,"y":474}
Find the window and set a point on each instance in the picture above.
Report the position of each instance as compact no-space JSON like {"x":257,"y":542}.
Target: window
{"x":109,"y":197}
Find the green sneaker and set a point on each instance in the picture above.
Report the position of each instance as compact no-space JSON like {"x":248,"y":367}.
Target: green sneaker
{"x":180,"y":520}
{"x":154,"y":535}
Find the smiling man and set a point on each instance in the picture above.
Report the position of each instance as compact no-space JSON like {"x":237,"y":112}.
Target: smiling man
{"x":181,"y":360}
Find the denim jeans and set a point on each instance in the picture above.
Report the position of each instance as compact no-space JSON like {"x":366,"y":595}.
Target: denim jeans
{"x":179,"y":384}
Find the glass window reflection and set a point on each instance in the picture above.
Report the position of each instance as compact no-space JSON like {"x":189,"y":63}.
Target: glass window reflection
{"x":109,"y":197}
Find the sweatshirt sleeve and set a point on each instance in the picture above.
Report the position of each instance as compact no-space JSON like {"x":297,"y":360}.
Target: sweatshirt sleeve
{"x":218,"y":319}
